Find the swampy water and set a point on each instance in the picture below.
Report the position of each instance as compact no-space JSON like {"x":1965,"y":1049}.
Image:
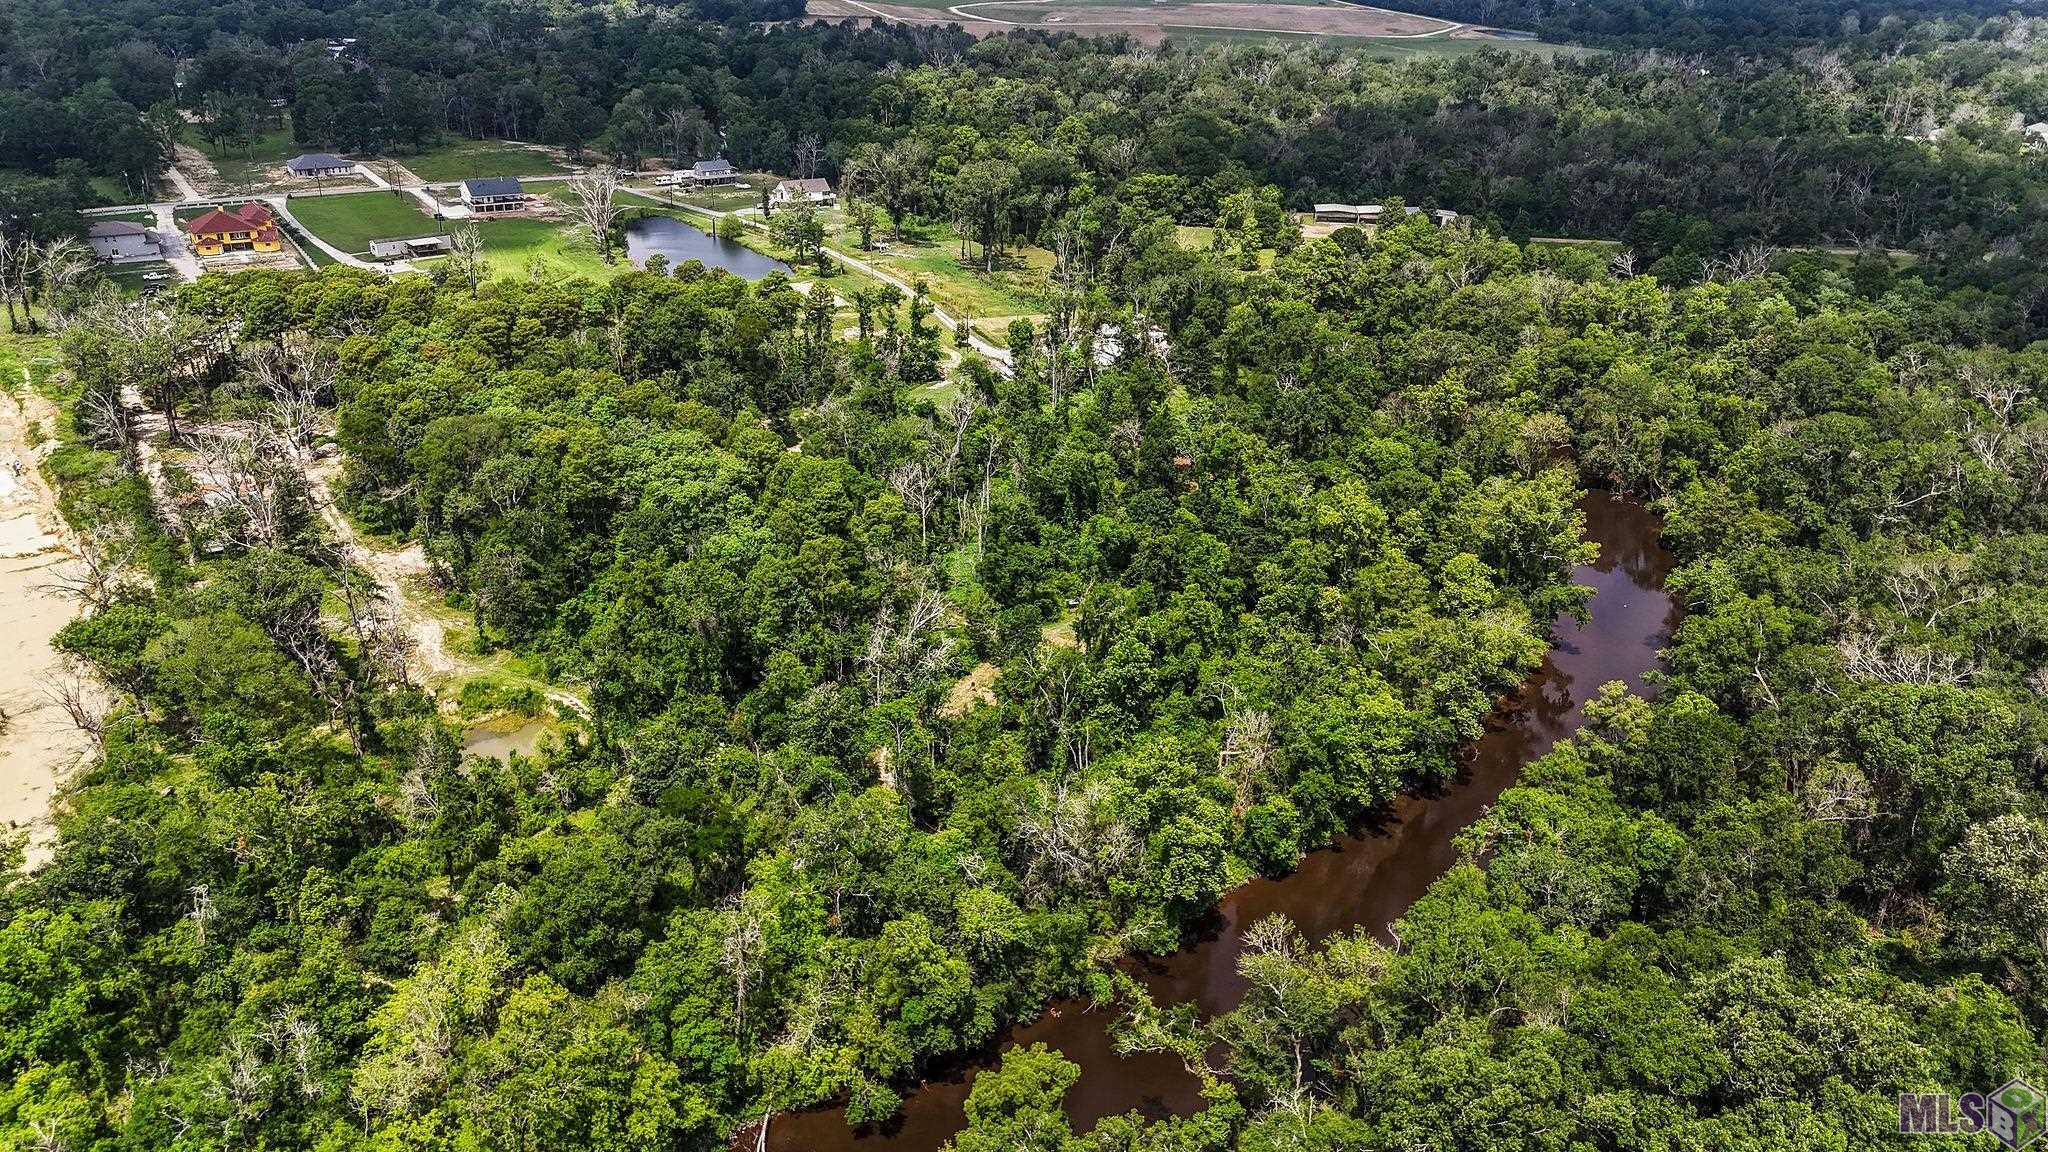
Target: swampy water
{"x":1365,"y":880}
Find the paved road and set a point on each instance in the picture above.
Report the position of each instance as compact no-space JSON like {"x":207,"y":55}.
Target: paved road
{"x":176,"y":253}
{"x":183,"y":185}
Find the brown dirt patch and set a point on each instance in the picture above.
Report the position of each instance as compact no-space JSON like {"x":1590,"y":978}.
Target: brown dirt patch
{"x":977,"y":687}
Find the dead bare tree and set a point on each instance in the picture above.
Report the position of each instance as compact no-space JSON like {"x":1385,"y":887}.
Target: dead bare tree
{"x":253,"y":496}
{"x":742,"y":949}
{"x":1746,"y":263}
{"x":1069,"y":838}
{"x":808,"y":154}
{"x":920,"y":485}
{"x":298,"y":376}
{"x":901,"y":652}
{"x":73,"y":691}
{"x":467,"y":243}
{"x":105,"y":564}
{"x":1246,"y":754}
{"x":60,"y":265}
{"x":107,"y":421}
{"x":594,"y":191}
{"x":2000,"y":395}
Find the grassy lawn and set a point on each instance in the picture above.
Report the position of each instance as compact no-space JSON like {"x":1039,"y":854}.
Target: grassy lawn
{"x":1597,"y":247}
{"x":306,"y":248}
{"x":464,"y":159}
{"x":725,"y":199}
{"x":19,"y":351}
{"x":1201,"y":238}
{"x":351,"y":221}
{"x":511,"y":245}
{"x":129,"y":278}
{"x":146,"y":219}
{"x":241,"y":166}
{"x":932,"y":251}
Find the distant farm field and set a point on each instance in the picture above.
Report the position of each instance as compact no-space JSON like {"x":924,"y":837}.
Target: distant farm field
{"x":1196,"y":19}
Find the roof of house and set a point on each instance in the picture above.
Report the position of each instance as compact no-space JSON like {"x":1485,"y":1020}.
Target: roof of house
{"x":702,"y":167}
{"x":249,"y":216}
{"x":493,"y":186}
{"x":1356,"y":209}
{"x":105,"y":229}
{"x":317,"y":162}
{"x":814,"y":184}
{"x":382,"y":248}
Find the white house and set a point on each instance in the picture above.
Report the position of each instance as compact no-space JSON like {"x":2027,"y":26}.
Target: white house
{"x":816,"y":191}
{"x":709,"y":174}
{"x":493,"y":194}
{"x":118,"y":240}
{"x":403,"y":249}
{"x":1348,"y":213}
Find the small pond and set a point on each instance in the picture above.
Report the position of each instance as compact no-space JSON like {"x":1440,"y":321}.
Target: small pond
{"x":678,"y":241}
{"x":498,"y":739}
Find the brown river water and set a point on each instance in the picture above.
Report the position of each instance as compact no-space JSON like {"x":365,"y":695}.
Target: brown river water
{"x":1365,"y":880}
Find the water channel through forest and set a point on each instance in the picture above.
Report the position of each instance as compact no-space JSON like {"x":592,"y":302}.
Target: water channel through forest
{"x":1369,"y":879}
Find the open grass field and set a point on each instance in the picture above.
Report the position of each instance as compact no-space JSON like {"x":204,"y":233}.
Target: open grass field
{"x":511,"y":246}
{"x":350,"y":222}
{"x":466,"y":159}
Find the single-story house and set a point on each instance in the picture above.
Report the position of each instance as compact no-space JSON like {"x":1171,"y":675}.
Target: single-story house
{"x":316,"y":165}
{"x":250,"y":228}
{"x":1368,"y":215}
{"x":815,"y":191}
{"x":494,"y":194}
{"x":120,"y":240}
{"x":709,"y":173}
{"x":1348,"y":213}
{"x":402,"y":249}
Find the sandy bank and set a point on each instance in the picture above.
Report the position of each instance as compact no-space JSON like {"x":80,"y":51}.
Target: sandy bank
{"x":39,"y":744}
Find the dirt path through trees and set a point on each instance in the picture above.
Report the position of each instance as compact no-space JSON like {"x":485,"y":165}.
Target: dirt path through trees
{"x":405,"y":579}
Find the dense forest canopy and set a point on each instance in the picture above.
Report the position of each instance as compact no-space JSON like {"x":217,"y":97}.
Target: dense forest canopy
{"x":1329,"y":517}
{"x":915,"y":691}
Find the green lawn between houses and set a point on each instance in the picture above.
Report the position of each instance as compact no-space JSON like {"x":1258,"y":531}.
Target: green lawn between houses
{"x":351,"y":221}
{"x":468,"y":159}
